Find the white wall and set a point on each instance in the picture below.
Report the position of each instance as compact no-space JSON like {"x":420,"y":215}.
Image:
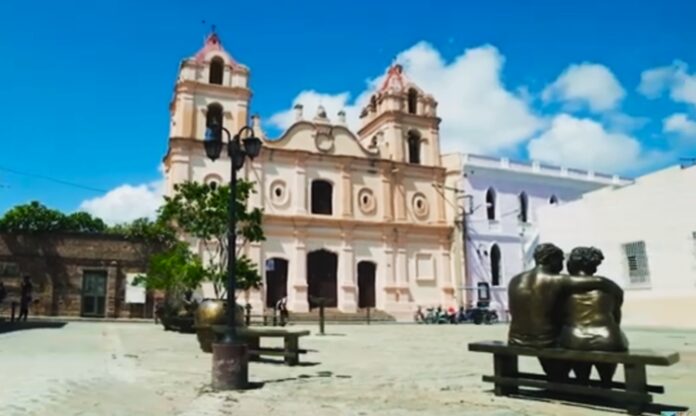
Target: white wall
{"x":659,"y":210}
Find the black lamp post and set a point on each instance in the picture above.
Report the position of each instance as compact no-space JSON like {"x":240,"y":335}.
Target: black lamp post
{"x":230,"y":356}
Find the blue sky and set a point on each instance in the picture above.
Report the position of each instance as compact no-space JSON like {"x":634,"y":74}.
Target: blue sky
{"x":86,"y":84}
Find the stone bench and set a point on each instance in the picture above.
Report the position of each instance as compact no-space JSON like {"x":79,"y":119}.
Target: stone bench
{"x":252,"y":337}
{"x":633,"y":394}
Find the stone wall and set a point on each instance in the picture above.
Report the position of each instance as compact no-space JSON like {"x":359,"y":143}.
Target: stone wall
{"x":56,"y":264}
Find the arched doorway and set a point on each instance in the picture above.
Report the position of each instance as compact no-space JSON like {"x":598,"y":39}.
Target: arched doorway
{"x":366,"y":284}
{"x":321,"y":277}
{"x":276,"y":280}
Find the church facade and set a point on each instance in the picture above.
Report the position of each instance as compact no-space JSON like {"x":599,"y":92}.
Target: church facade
{"x":358,"y":218}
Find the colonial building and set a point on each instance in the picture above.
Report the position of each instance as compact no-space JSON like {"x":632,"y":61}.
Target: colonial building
{"x":358,"y":218}
{"x":498,"y":214}
{"x":84,"y":275}
{"x":647,"y":232}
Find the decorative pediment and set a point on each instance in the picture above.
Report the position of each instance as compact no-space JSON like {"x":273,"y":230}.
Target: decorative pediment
{"x":324,"y":138}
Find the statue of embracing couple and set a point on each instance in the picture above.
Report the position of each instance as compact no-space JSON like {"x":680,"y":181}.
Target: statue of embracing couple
{"x":577,"y":310}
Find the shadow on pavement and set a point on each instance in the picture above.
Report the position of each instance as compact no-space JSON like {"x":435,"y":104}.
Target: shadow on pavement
{"x":593,"y":403}
{"x":7,"y":326}
{"x":319,"y":374}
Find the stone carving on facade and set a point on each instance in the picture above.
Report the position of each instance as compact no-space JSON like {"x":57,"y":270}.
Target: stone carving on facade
{"x":278,"y":193}
{"x":420,"y":206}
{"x":366,"y":201}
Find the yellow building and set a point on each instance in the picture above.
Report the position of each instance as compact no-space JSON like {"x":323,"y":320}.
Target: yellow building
{"x":357,"y":217}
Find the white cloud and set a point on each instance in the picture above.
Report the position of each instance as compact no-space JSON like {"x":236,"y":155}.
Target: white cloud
{"x":479,"y":114}
{"x":674,"y":78}
{"x":126,"y":203}
{"x":585,"y":144}
{"x":681,"y":124}
{"x":589,"y":84}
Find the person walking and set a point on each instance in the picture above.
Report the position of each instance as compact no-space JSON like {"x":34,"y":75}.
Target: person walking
{"x":25,"y":298}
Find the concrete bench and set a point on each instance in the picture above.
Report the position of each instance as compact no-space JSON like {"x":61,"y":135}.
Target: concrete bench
{"x":252,"y":337}
{"x":633,"y":394}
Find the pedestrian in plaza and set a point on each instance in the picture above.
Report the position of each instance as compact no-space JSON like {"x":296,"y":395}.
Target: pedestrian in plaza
{"x":25,"y":298}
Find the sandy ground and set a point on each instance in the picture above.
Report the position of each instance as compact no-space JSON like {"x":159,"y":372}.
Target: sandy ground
{"x":138,"y":369}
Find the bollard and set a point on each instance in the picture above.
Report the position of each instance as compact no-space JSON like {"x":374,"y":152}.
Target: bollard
{"x":275,"y":316}
{"x":321,"y":318}
{"x":247,"y":318}
{"x":368,"y":315}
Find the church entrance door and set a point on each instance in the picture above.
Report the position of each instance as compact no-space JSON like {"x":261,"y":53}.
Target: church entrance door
{"x":276,"y":280}
{"x":322,"y":278}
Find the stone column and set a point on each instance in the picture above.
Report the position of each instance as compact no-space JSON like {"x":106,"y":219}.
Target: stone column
{"x":399,"y":195}
{"x":256,"y":296}
{"x":440,"y":195}
{"x":346,"y":191}
{"x":255,"y":173}
{"x":178,"y":169}
{"x":300,"y":197}
{"x":387,"y":294}
{"x":346,"y":279}
{"x":444,"y":276}
{"x":297,"y":293}
{"x":387,"y":201}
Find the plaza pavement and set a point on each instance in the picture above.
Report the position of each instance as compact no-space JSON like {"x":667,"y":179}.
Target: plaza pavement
{"x":134,"y":369}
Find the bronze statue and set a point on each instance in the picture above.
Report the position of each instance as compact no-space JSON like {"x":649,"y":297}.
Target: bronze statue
{"x":537,"y":301}
{"x":592,"y":318}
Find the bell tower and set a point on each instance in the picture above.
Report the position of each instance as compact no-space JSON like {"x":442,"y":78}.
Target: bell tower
{"x":401,"y":121}
{"x":211,"y":85}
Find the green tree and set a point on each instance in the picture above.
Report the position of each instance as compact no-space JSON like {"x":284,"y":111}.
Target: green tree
{"x":201,"y":211}
{"x":144,"y":229}
{"x":35,"y":217}
{"x":174,"y":270}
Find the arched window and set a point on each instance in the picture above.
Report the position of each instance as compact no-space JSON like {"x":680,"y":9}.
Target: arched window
{"x":322,"y":196}
{"x":412,"y":101}
{"x":490,"y":203}
{"x":495,"y":265}
{"x":414,"y":139}
{"x":213,"y":115}
{"x":217,"y":69}
{"x":553,"y":200}
{"x":524,"y":206}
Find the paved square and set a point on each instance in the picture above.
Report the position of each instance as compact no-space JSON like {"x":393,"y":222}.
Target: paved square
{"x":138,"y":369}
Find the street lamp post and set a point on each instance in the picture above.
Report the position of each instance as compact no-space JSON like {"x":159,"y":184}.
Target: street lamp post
{"x":230,"y":356}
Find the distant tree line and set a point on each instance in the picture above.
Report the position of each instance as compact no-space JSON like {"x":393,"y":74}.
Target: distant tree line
{"x":195,"y":210}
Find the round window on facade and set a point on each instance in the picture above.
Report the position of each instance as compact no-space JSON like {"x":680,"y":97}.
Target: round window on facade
{"x":420,"y":205}
{"x":278,"y":193}
{"x":213,"y":181}
{"x":366,"y":201}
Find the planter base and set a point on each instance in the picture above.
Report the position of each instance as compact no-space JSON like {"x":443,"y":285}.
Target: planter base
{"x":230,"y":366}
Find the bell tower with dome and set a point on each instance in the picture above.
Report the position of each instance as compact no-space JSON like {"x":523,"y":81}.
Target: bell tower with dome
{"x":401,"y":121}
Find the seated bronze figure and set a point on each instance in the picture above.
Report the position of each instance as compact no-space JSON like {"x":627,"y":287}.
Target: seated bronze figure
{"x":592,"y":318}
{"x":537,"y":299}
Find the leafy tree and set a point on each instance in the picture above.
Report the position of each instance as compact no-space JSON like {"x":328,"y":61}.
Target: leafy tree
{"x":82,"y":222}
{"x":174,"y":270}
{"x":201,"y":211}
{"x":37,"y":218}
{"x":143,"y":229}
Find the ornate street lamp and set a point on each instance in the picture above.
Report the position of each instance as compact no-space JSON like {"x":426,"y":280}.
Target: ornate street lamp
{"x":230,"y":356}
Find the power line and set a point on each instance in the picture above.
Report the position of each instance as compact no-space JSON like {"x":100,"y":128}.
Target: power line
{"x":51,"y":179}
